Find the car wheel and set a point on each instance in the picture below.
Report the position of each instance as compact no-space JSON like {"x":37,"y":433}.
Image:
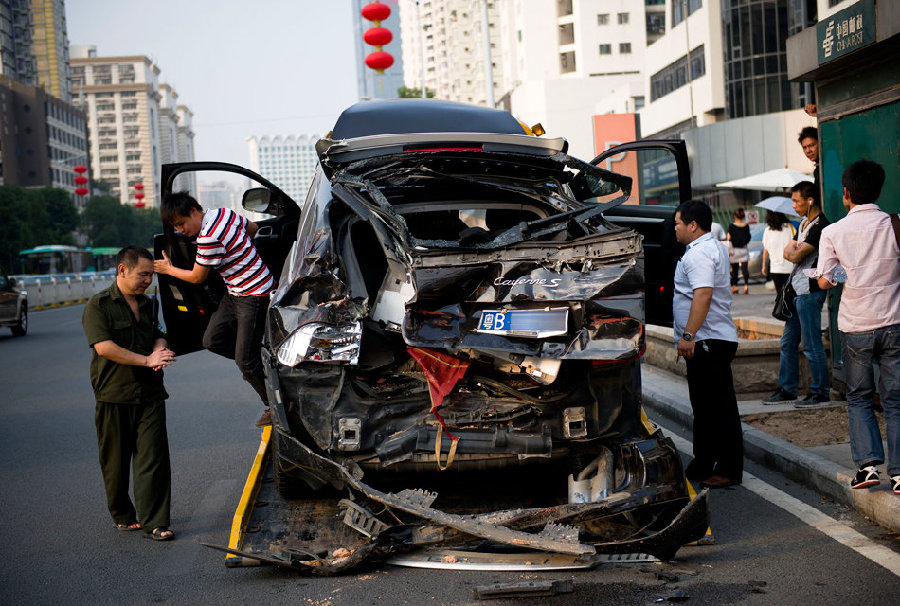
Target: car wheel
{"x":21,"y":327}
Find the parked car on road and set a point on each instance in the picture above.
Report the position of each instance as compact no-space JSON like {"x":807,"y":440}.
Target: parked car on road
{"x":456,"y":294}
{"x":755,"y":248}
{"x":13,"y":305}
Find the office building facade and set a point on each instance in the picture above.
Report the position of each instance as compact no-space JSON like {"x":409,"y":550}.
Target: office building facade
{"x":287,"y":161}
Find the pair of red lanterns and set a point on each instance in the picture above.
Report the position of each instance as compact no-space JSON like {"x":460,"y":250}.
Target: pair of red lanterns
{"x":81,"y":190}
{"x":81,"y":180}
{"x":378,"y":36}
{"x":139,"y":195}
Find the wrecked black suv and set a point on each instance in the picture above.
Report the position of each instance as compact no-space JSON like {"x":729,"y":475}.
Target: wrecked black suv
{"x":462,"y":301}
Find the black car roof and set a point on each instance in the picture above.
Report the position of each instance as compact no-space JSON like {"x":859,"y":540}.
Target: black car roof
{"x":403,"y":116}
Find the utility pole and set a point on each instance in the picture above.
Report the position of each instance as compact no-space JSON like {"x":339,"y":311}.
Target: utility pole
{"x":690,"y":67}
{"x":488,"y":65}
{"x":421,"y":43}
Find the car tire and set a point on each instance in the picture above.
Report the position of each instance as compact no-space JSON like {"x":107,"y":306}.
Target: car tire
{"x":21,"y":326}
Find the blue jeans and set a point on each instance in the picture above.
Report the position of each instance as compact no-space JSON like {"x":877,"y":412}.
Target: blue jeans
{"x":859,"y":349}
{"x":805,"y":327}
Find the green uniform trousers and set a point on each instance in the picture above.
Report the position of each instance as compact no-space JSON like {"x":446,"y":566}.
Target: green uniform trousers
{"x":134,"y":435}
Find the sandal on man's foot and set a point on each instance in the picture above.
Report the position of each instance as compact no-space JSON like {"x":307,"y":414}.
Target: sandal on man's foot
{"x":129,"y":527}
{"x":161,"y":533}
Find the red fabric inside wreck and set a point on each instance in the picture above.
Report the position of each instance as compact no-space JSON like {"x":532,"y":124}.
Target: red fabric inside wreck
{"x":443,"y":372}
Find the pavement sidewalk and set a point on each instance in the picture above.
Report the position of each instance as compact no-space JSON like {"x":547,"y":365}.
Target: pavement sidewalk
{"x":827,"y":469}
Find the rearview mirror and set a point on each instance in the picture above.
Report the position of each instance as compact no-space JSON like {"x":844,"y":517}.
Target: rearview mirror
{"x":257,"y":199}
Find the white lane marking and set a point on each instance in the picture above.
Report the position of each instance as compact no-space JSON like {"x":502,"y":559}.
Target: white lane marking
{"x":830,"y":527}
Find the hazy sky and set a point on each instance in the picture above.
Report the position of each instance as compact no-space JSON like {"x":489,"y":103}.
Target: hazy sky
{"x":244,"y":67}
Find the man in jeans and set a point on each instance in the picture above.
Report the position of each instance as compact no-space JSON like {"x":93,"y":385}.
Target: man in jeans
{"x":865,"y":246}
{"x":225,"y":243}
{"x":805,"y":324}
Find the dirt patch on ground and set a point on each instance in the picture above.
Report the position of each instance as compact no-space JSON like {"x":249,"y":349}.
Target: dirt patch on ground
{"x":817,"y":427}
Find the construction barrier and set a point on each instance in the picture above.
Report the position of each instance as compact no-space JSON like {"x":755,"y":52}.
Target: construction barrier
{"x":65,"y":289}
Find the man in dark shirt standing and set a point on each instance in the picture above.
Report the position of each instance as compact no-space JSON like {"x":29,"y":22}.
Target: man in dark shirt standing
{"x":126,"y":373}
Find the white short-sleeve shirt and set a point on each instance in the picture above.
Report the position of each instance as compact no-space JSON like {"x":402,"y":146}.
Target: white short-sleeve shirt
{"x":704,"y":264}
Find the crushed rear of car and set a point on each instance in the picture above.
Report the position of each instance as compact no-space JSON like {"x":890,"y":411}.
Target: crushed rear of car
{"x":457,"y":335}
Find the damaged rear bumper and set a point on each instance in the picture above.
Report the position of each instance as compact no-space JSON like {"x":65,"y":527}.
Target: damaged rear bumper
{"x":374,"y":524}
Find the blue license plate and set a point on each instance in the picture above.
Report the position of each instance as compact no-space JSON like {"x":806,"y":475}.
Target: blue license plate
{"x":534,"y":323}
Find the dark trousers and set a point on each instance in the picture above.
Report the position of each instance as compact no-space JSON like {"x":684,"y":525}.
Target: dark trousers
{"x":134,"y":436}
{"x":745,"y":270}
{"x":718,"y":438}
{"x":235,"y":331}
{"x":780,"y":280}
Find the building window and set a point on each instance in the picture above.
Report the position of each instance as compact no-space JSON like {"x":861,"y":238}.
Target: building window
{"x":603,"y":19}
{"x":675,"y":75}
{"x":623,"y":18}
{"x":605,"y":49}
{"x":567,"y":62}
{"x":566,"y":34}
{"x":625,"y":48}
{"x":678,"y":12}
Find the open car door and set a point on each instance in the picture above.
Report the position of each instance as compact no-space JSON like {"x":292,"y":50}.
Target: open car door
{"x":188,"y":307}
{"x":661,"y":177}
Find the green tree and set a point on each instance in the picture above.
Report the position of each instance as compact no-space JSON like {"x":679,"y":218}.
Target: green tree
{"x":109,"y":223}
{"x":62,"y":215}
{"x":407,"y":92}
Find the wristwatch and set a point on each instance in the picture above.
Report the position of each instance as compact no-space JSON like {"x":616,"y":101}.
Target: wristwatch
{"x":687,"y":336}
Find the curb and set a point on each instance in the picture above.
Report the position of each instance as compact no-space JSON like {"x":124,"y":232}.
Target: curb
{"x":660,"y":394}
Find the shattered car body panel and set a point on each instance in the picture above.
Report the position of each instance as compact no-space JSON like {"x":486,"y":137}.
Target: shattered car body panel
{"x":489,"y":253}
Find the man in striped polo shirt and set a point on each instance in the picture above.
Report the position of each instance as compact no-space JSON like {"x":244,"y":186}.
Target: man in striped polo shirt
{"x":224,"y":242}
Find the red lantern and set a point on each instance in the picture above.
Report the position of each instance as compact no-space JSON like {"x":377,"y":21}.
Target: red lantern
{"x":139,"y":195}
{"x":376,"y":11}
{"x":378,"y":36}
{"x":80,"y":169}
{"x":139,"y":205}
{"x":379,"y":60}
{"x":81,"y":180}
{"x":81,"y":191}
{"x":139,"y":186}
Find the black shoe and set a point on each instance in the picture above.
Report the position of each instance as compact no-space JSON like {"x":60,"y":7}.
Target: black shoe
{"x":780,"y":397}
{"x":812,"y":399}
{"x":866,"y":476}
{"x":895,"y":484}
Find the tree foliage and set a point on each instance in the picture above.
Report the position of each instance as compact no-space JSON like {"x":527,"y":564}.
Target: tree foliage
{"x":106,"y":222}
{"x":410,"y":92}
{"x":31,"y":217}
{"x":34,"y":217}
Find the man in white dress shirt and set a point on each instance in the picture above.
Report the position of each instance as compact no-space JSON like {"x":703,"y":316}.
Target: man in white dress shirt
{"x":706,"y":337}
{"x":865,"y":245}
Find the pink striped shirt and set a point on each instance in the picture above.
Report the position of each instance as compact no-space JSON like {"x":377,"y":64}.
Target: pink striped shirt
{"x":863,"y":243}
{"x":223,"y":243}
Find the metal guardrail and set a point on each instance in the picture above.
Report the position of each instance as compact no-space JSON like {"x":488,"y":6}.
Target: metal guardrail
{"x":65,"y":289}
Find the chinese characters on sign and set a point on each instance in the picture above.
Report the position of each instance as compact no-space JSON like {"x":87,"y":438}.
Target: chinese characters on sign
{"x":846,"y":31}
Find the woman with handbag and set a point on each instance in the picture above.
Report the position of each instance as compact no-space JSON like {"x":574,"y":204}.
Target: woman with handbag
{"x":739,"y":236}
{"x":779,"y":232}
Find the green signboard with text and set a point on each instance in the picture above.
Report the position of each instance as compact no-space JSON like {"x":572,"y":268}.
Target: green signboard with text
{"x":846,"y":31}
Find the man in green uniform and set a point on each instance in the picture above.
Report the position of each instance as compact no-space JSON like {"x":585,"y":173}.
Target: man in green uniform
{"x":126,"y":372}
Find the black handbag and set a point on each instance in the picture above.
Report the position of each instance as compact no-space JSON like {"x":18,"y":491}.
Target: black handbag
{"x":784,"y":302}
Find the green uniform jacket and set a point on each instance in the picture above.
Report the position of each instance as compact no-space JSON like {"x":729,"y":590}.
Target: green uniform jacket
{"x":107,"y":317}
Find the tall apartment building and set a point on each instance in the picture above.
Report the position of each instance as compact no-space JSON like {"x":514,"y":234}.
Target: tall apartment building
{"x":127,"y":108}
{"x":50,"y":47}
{"x":15,"y":42}
{"x":369,"y":83}
{"x":568,"y":60}
{"x":287,"y":161}
{"x":717,"y":78}
{"x":447,"y":36}
{"x":43,"y":136}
